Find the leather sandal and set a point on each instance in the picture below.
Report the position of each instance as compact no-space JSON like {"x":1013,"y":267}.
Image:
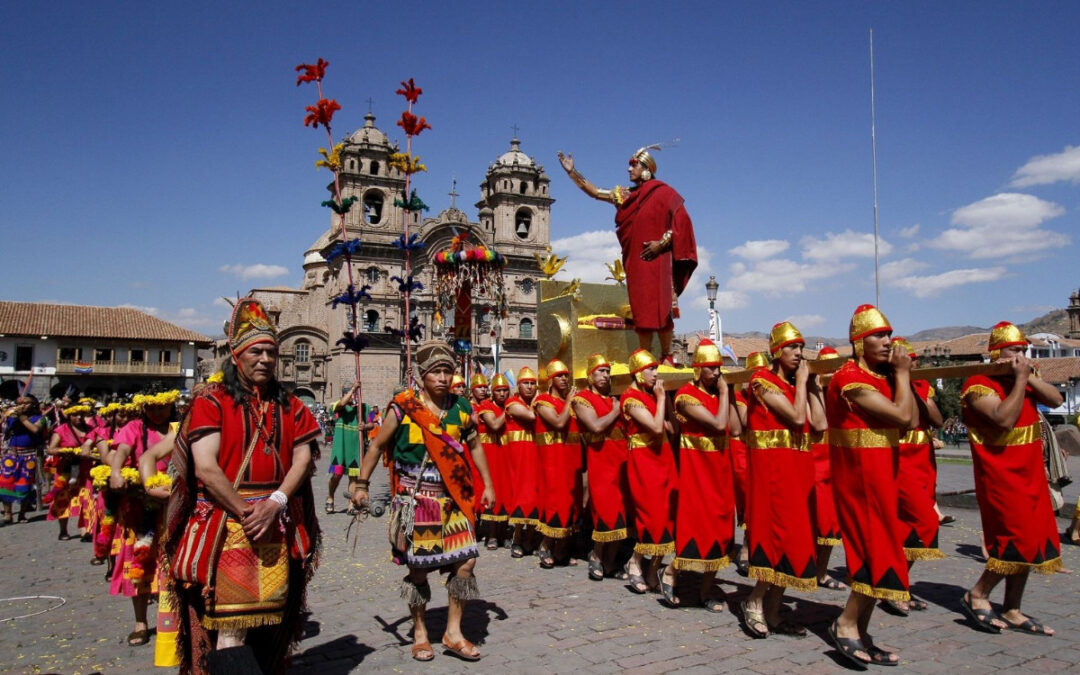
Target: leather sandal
{"x":847,"y":648}
{"x":460,"y":649}
{"x":1030,"y":626}
{"x":516,"y":551}
{"x":636,"y":581}
{"x":982,"y":618}
{"x":832,"y":584}
{"x":751,"y":617}
{"x":138,"y":638}
{"x":714,"y":605}
{"x":421,"y":647}
{"x":329,"y":505}
{"x":596,"y":569}
{"x":667,"y":590}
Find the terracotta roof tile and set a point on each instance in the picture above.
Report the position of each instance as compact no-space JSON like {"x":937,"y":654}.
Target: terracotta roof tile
{"x":1058,"y":370}
{"x":117,"y":323}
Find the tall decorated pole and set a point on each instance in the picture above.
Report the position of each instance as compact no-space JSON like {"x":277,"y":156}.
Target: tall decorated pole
{"x":408,"y":164}
{"x":318,"y":115}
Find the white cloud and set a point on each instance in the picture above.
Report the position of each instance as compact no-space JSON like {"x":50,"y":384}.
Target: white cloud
{"x":1046,"y":169}
{"x":909,"y":232}
{"x":897,"y":269}
{"x":779,"y":276}
{"x":587,"y":255}
{"x":932,"y":285}
{"x":256,"y":271}
{"x":760,"y":249}
{"x":805,"y":322}
{"x":152,"y":311}
{"x":847,"y":244}
{"x":1002,"y":226}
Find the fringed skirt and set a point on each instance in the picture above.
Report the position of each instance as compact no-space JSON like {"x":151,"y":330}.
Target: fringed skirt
{"x":442,"y":535}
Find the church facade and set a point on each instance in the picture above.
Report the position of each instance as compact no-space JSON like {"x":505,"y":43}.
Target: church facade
{"x":513,"y":217}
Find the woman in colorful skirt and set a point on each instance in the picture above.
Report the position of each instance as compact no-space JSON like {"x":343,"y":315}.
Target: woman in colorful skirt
{"x":424,"y":434}
{"x":653,"y":476}
{"x":558,"y":444}
{"x":66,"y":455}
{"x":158,"y":486}
{"x":599,"y":417}
{"x":705,"y":521}
{"x":115,"y":416}
{"x":137,"y":525}
{"x":867,"y":412}
{"x":350,"y":426}
{"x":24,"y":433}
{"x":917,"y":480}
{"x":785,"y":406}
{"x":826,"y":524}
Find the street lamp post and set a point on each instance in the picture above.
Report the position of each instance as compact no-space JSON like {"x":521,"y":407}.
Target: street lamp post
{"x":715,"y":334}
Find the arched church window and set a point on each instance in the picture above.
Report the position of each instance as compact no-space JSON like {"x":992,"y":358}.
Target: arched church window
{"x":374,"y":168}
{"x":524,"y":186}
{"x":525,"y":329}
{"x":523,"y":223}
{"x":373,"y":207}
{"x":371,"y":321}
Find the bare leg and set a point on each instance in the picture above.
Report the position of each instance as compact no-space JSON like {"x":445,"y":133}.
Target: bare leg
{"x":644,"y":339}
{"x":980,"y":593}
{"x":230,"y":638}
{"x":418,"y":592}
{"x":754,"y":608}
{"x":335,"y":480}
{"x":849,"y":623}
{"x":665,"y":340}
{"x":63,"y":527}
{"x":1014,"y":594}
{"x":824,"y":552}
{"x":460,"y":588}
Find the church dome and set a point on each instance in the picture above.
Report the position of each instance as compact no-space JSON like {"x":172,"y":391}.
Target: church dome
{"x":515,"y":157}
{"x":314,"y":258}
{"x":369,"y":134}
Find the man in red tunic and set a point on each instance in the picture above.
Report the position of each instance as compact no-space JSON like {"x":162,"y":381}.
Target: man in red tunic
{"x":652,"y":473}
{"x":658,"y":248}
{"x":705,"y":519}
{"x":786,"y":404}
{"x":868,"y":403}
{"x":740,"y":461}
{"x":599,"y":417}
{"x":245,"y":449}
{"x":490,"y":422}
{"x":558,"y":445}
{"x":522,"y":462}
{"x":1010,"y":482}
{"x":917,"y":478}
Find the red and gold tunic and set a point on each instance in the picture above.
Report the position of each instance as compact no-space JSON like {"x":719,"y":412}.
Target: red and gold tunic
{"x":652,"y":477}
{"x":561,"y":469}
{"x":740,"y":464}
{"x":778,"y":526}
{"x":1010,"y":483}
{"x":916,"y":485}
{"x":522,"y":468}
{"x":493,"y":453}
{"x":864,"y":455}
{"x":705,"y":521}
{"x":606,"y":458}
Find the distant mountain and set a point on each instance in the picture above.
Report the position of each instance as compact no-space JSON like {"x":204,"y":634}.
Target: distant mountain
{"x":1056,"y":321}
{"x":945,"y":333}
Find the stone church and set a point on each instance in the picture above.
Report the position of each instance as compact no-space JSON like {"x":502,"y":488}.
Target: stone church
{"x":514,"y":213}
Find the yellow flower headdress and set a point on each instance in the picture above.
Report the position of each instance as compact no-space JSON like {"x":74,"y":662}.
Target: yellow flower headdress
{"x":77,"y":410}
{"x":163,"y":398}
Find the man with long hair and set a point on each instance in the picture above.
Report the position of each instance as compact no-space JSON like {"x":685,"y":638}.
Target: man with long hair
{"x":245,"y":450}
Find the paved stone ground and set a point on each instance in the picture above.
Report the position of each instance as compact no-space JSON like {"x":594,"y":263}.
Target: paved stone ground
{"x":532,"y":620}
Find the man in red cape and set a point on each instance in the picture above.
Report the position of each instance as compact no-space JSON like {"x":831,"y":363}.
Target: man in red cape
{"x":658,"y":249}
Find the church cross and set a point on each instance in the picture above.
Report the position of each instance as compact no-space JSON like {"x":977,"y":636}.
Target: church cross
{"x":453,"y":193}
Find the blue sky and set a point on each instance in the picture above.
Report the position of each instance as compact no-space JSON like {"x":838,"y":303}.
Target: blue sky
{"x":156,"y":157}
